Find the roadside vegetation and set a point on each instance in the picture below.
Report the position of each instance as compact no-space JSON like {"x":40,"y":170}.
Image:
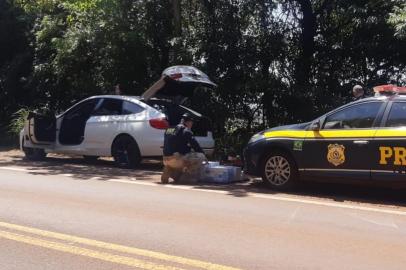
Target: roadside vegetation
{"x":276,"y":62}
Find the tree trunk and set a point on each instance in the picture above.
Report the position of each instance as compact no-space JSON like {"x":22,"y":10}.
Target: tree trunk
{"x":308,"y":25}
{"x":177,"y":20}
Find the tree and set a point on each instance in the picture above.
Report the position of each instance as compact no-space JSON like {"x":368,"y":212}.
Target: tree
{"x":15,"y":59}
{"x":276,"y":62}
{"x":398,"y":19}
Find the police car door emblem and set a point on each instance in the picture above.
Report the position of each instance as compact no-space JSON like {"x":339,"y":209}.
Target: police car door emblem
{"x":298,"y":145}
{"x":336,"y":154}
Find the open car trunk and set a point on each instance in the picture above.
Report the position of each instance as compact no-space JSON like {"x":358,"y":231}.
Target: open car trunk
{"x":178,"y":81}
{"x":202,"y":125}
{"x":175,"y":82}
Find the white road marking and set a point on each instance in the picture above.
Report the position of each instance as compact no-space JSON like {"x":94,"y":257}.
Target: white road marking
{"x":293,"y":215}
{"x":386,"y":223}
{"x":248,"y":194}
{"x":14,"y":169}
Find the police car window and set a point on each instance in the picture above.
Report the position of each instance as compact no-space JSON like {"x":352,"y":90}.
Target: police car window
{"x":397,"y":115}
{"x":357,"y":116}
{"x":131,"y":108}
{"x":109,"y":106}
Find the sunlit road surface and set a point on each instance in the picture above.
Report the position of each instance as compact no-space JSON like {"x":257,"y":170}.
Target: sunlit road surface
{"x":62,"y":221}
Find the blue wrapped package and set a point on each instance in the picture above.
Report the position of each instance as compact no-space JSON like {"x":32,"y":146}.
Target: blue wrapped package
{"x":221,"y":174}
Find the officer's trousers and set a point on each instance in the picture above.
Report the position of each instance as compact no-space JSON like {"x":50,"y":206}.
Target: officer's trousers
{"x":183,"y":168}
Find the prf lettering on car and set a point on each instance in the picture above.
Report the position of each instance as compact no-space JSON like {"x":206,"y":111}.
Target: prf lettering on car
{"x":397,"y":153}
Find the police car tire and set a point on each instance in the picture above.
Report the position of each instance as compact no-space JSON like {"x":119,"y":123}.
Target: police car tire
{"x":279,"y":181}
{"x":125,"y":152}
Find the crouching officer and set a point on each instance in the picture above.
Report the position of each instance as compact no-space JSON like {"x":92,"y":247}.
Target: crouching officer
{"x":180,"y":163}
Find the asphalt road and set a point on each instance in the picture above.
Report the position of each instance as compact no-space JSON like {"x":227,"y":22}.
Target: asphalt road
{"x":73,"y":219}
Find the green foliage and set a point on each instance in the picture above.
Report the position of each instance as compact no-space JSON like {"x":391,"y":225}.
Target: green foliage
{"x":231,"y":143}
{"x":15,"y":60}
{"x":398,"y":19}
{"x":19,"y":117}
{"x":275,"y":62}
{"x":18,"y":121}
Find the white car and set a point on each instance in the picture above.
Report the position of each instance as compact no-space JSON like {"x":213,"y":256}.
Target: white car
{"x":124,"y":127}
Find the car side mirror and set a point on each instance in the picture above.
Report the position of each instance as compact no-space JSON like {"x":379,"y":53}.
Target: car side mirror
{"x":315,"y":126}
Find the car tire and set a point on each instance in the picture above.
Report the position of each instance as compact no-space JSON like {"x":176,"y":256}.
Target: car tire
{"x":279,"y":171}
{"x":125,"y":152}
{"x":91,"y":159}
{"x":34,"y":154}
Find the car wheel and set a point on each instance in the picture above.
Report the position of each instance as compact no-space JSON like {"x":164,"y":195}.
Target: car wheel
{"x":34,"y":154}
{"x":279,"y":171}
{"x":90,"y":159}
{"x":125,"y":152}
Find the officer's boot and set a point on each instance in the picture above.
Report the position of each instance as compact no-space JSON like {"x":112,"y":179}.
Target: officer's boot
{"x":165,"y":175}
{"x":176,"y":175}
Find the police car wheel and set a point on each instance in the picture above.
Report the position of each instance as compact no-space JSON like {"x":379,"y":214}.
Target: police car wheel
{"x":125,"y":152}
{"x":279,"y":171}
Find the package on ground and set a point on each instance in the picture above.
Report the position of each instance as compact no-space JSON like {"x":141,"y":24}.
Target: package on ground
{"x":213,"y":163}
{"x":235,"y":173}
{"x":221,"y":174}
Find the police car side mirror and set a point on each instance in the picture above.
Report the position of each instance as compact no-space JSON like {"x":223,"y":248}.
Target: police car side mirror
{"x":315,"y":126}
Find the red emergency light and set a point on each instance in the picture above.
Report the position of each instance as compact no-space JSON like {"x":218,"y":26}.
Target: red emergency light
{"x":390,"y":88}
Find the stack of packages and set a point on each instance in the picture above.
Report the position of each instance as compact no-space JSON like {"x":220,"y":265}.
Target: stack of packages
{"x":214,"y":173}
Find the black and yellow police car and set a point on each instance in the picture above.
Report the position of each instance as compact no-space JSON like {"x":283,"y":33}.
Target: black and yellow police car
{"x":361,"y":141}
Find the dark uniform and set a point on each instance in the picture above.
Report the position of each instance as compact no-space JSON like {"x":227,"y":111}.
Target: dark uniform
{"x":180,"y":140}
{"x":358,"y":98}
{"x":179,"y":160}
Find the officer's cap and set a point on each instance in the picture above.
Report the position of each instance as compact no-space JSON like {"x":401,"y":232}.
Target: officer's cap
{"x":187,"y":117}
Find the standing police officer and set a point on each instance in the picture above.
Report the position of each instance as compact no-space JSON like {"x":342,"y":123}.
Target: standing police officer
{"x":358,"y":92}
{"x":178,"y":156}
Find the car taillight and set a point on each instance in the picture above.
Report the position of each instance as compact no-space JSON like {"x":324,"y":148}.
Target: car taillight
{"x":176,"y":76}
{"x":159,"y":123}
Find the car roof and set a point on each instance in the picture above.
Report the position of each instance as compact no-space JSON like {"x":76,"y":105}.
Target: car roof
{"x":375,"y":98}
{"x":383,"y":97}
{"x":401,"y":97}
{"x":129,"y":98}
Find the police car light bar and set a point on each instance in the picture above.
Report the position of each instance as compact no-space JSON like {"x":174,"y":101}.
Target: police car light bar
{"x":389,"y":88}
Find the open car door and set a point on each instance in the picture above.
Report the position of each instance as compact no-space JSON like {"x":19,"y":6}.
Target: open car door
{"x":41,"y":128}
{"x":178,"y":81}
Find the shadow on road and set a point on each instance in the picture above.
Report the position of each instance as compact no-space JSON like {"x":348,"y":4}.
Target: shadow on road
{"x":333,"y":192}
{"x":104,"y":169}
{"x":79,"y":169}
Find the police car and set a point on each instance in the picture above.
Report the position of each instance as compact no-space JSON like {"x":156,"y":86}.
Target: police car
{"x":361,"y":141}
